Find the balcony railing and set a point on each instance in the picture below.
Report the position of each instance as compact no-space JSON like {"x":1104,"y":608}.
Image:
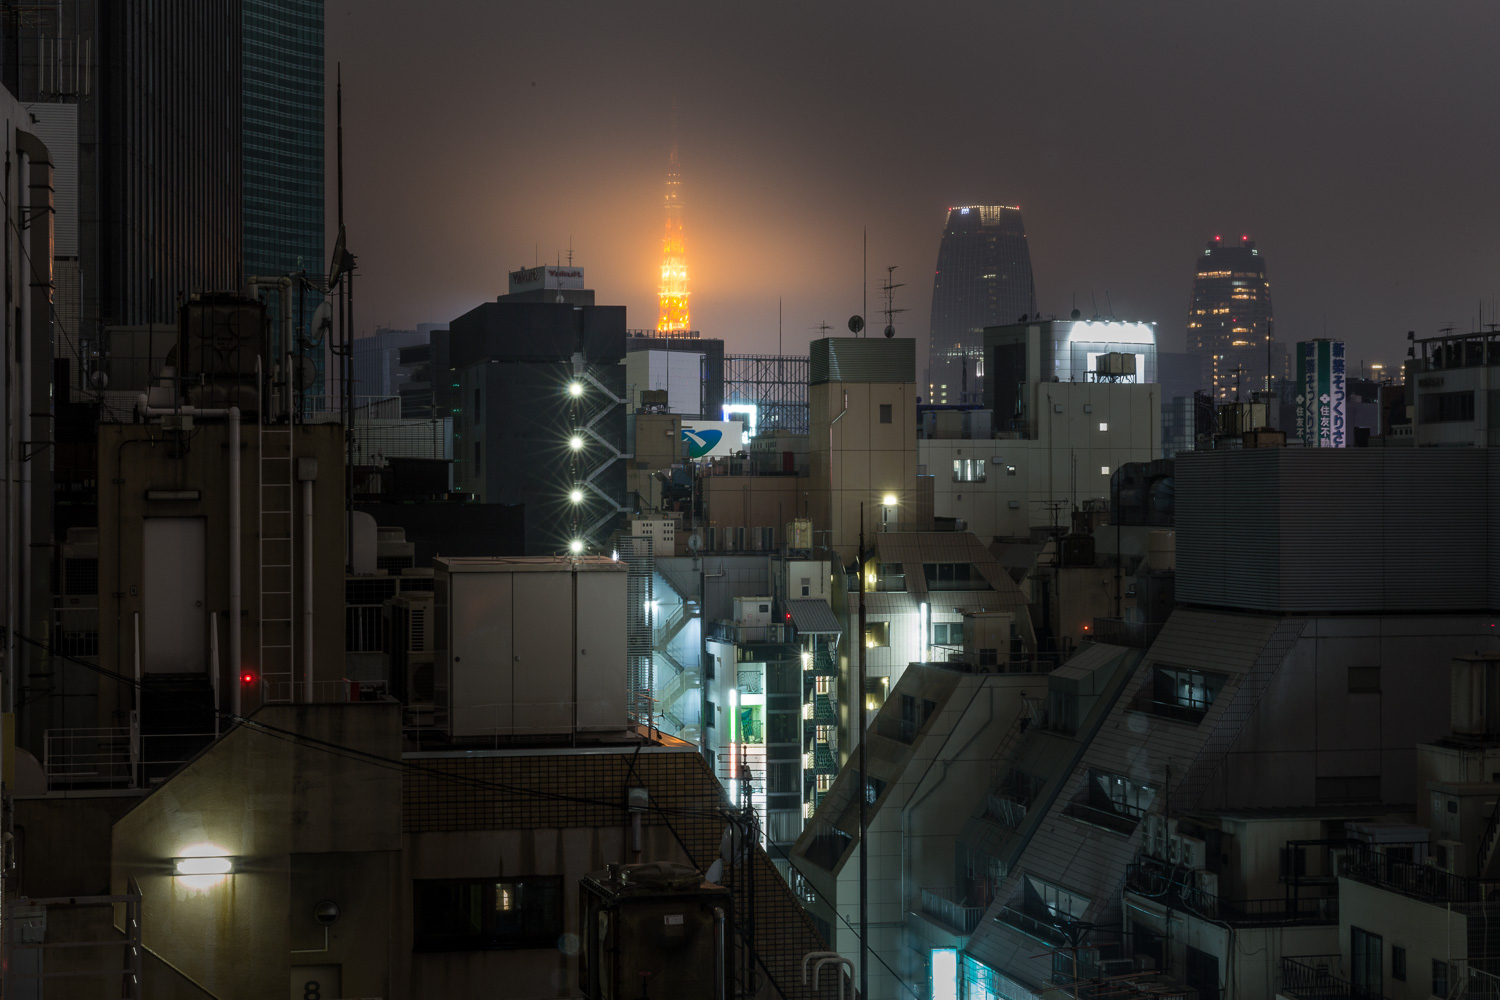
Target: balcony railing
{"x":1149,"y":880}
{"x":1044,"y":930}
{"x":1313,"y":977}
{"x":728,"y":631}
{"x":945,"y":906}
{"x":1375,"y":866}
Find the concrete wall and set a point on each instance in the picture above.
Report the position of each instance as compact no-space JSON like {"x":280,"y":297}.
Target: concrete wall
{"x":135,"y":458}
{"x":1427,"y":932}
{"x":305,"y":825}
{"x":752,"y":502}
{"x":1062,"y":462}
{"x":1308,"y":725}
{"x":858,"y":459}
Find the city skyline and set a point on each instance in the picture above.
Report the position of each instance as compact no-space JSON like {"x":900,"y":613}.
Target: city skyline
{"x":795,"y":153}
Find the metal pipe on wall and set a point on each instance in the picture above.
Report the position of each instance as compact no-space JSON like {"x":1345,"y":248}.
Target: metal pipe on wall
{"x":307,"y":590}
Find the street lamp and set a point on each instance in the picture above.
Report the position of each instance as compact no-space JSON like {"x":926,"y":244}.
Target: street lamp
{"x":576,"y":442}
{"x":575,"y":389}
{"x":576,"y":546}
{"x":576,"y":496}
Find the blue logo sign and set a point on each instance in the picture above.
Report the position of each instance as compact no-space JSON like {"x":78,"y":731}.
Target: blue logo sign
{"x":701,"y":442}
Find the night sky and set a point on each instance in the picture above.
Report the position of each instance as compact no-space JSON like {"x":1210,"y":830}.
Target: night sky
{"x":1355,"y":142}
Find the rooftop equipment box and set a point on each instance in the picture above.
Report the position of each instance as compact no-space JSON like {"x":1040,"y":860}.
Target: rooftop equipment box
{"x":531,"y":647}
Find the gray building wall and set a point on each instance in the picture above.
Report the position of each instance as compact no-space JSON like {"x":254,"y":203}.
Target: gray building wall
{"x":1340,"y":530}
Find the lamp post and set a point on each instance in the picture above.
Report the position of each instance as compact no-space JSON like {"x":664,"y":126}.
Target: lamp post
{"x":864,"y":782}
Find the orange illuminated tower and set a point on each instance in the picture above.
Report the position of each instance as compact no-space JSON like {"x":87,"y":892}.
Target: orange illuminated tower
{"x":672,"y":321}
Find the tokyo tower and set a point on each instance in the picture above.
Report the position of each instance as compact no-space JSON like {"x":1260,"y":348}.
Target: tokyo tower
{"x":672,"y":321}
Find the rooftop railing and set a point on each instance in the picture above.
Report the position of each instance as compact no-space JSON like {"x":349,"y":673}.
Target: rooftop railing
{"x":955,"y":913}
{"x":1166,"y":888}
{"x":1314,"y":977}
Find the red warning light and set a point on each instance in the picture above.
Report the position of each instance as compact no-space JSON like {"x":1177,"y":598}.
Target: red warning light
{"x":247,"y":678}
{"x":1244,"y":237}
{"x":1216,"y":239}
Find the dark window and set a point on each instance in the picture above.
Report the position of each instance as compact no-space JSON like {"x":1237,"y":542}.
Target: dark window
{"x":782,"y":777}
{"x":708,"y":717}
{"x":80,"y":576}
{"x":1364,"y":680}
{"x":1439,"y":977}
{"x":1202,"y":973}
{"x":953,"y":576}
{"x":453,"y":914}
{"x":947,"y":633}
{"x":989,"y":657}
{"x":1447,"y":407}
{"x":1183,"y":693}
{"x":885,"y":413}
{"x":477,"y":457}
{"x":1365,"y":954}
{"x":1453,"y":805}
{"x":1398,"y":963}
{"x":476,"y":406}
{"x":1293,"y":862}
{"x":1358,"y":788}
{"x":877,"y":634}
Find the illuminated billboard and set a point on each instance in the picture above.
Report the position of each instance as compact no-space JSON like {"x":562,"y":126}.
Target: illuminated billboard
{"x":712,"y":438}
{"x":1321,"y":402}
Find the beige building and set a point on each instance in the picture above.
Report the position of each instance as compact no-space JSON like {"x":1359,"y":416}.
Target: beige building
{"x":862,"y":425}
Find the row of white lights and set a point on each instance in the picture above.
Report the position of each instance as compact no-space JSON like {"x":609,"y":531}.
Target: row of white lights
{"x":575,"y":442}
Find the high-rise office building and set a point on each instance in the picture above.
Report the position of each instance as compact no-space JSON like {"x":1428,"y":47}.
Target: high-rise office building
{"x":983,"y":279}
{"x":1229,"y":321}
{"x":282,"y":111}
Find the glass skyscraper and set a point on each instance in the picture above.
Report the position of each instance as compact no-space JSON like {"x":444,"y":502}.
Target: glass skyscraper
{"x":983,"y":279}
{"x":282,"y":106}
{"x":1229,"y":321}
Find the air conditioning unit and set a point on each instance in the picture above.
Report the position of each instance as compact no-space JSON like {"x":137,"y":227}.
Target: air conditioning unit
{"x":1145,"y":963}
{"x":408,"y":632}
{"x":1156,"y":836}
{"x":1193,"y":853}
{"x":1207,"y":882}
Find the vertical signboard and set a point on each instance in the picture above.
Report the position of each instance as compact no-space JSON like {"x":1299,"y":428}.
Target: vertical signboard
{"x":1321,"y":395}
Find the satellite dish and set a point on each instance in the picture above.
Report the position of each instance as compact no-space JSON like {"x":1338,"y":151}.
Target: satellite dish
{"x":890,"y":331}
{"x":716,"y":871}
{"x":856,"y":324}
{"x":341,"y":261}
{"x":695,"y":542}
{"x":322,"y":320}
{"x":98,"y":380}
{"x":303,"y":370}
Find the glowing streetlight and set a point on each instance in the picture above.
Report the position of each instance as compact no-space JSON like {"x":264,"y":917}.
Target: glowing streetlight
{"x":575,"y":389}
{"x":576,"y":546}
{"x":575,"y":442}
{"x":889,"y":500}
{"x":576,"y":496}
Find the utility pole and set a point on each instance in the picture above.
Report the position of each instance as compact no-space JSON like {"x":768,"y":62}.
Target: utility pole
{"x":864,"y":782}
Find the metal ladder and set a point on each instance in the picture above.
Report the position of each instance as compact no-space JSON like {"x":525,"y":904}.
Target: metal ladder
{"x":277,"y":488}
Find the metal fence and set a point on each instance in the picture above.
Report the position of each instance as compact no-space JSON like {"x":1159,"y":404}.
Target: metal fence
{"x":945,"y":906}
{"x":115,"y":757}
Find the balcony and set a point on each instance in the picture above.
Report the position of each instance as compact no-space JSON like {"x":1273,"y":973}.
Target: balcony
{"x":946,"y":907}
{"x":739,"y":635}
{"x":1044,"y":929}
{"x":1312,"y":977}
{"x":1162,"y":887}
{"x":1365,"y":863}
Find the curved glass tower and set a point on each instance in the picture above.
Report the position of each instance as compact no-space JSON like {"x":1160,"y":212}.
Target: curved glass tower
{"x":983,"y":279}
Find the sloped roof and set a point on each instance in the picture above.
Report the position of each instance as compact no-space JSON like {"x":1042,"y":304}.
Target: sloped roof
{"x":812,"y":615}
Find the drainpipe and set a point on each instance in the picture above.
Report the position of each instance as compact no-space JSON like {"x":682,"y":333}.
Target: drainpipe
{"x":36,"y":397}
{"x":832,"y":506}
{"x":233,"y":413}
{"x":307,"y":580}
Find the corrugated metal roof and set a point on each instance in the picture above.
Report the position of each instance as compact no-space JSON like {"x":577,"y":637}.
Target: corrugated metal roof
{"x":812,"y":615}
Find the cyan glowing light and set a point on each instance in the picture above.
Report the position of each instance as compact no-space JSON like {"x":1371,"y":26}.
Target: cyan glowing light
{"x":945,"y":974}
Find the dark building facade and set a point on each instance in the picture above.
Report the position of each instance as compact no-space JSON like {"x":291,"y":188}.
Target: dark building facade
{"x":282,"y":111}
{"x":1230,"y":322}
{"x":157,"y":90}
{"x":510,"y":366}
{"x":983,"y":279}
